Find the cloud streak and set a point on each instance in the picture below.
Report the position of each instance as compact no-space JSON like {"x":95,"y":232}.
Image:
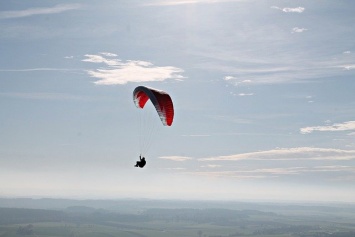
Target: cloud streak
{"x":260,"y":74}
{"x":38,"y":11}
{"x":196,"y":135}
{"x":262,"y":173}
{"x":45,"y":96}
{"x":175,"y":158}
{"x":289,"y":9}
{"x":118,"y":72}
{"x":245,"y":94}
{"x":39,"y":69}
{"x":298,"y":30}
{"x":346,"y":126}
{"x":348,"y":67}
{"x":299,"y":153}
{"x":185,"y":2}
{"x":329,"y":158}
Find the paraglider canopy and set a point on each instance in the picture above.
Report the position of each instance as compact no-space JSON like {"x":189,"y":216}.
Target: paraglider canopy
{"x":160,"y":99}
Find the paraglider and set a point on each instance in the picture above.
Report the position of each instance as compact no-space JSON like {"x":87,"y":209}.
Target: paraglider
{"x":141,"y":163}
{"x":160,"y":99}
{"x":163,"y":105}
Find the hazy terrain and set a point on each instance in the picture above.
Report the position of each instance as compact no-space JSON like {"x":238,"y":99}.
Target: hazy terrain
{"x":60,"y":217}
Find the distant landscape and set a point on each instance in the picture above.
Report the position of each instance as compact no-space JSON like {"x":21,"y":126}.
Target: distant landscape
{"x":148,"y":218}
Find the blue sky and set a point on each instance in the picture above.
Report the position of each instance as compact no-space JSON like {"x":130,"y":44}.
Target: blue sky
{"x":263,"y":94}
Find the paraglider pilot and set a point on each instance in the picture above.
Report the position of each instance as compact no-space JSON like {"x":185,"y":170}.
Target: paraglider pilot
{"x":141,"y":163}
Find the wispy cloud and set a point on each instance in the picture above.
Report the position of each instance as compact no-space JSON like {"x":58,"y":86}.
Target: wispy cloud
{"x":229,"y":174}
{"x":210,"y":166}
{"x":348,"y":67}
{"x":296,"y":9}
{"x":38,"y":11}
{"x":45,"y":96}
{"x":39,"y":69}
{"x":330,"y":166}
{"x":298,"y":30}
{"x":334,"y":168}
{"x":289,"y":9}
{"x":120,"y":72}
{"x":269,"y":74}
{"x":171,"y":3}
{"x":242,"y":67}
{"x":185,"y":2}
{"x":176,"y":158}
{"x":236,"y":81}
{"x":196,"y":135}
{"x":263,"y":75}
{"x":107,"y":54}
{"x":245,"y":94}
{"x":299,"y":153}
{"x":231,"y":119}
{"x":175,"y":168}
{"x":262,"y":173}
{"x":346,"y":126}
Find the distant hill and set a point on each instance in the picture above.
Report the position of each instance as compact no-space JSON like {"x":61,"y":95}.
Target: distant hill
{"x":81,"y":209}
{"x":137,"y":206}
{"x":22,"y":215}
